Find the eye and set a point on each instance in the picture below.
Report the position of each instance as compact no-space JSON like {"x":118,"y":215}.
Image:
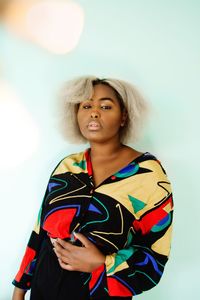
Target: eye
{"x":86,"y":106}
{"x":105,"y":107}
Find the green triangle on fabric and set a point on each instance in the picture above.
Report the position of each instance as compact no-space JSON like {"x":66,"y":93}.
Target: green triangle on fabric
{"x":136,"y":203}
{"x":122,"y":256}
{"x":129,"y":239}
{"x":81,"y":164}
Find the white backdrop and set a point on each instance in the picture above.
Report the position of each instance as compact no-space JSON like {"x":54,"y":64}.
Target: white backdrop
{"x":154,"y":44}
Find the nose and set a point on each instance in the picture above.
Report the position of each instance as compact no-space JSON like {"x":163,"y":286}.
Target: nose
{"x":94,"y":114}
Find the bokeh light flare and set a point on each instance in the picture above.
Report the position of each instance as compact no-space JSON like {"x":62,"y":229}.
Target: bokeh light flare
{"x":55,"y":25}
{"x":18,"y":131}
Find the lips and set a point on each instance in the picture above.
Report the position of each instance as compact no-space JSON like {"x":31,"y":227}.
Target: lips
{"x":94,"y":126}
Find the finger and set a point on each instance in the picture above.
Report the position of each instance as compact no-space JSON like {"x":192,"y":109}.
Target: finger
{"x":83,"y":239}
{"x":63,"y":244}
{"x":65,"y":259}
{"x":60,"y":251}
{"x":56,"y":252}
{"x":65,"y":266}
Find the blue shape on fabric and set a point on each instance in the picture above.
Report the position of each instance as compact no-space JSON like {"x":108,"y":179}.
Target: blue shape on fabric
{"x":92,"y":240}
{"x":163,"y":221}
{"x":94,"y":209}
{"x":162,"y":224}
{"x":143,"y":263}
{"x":52,"y":185}
{"x":129,"y":170}
{"x":97,"y":283}
{"x":32,"y":267}
{"x":153,"y":261}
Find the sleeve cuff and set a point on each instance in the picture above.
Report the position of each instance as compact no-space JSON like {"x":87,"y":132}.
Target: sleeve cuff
{"x":20,"y":286}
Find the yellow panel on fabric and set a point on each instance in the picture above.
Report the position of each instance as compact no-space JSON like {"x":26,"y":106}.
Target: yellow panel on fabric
{"x":162,"y":246}
{"x":111,"y":266}
{"x":143,"y":186}
{"x":121,"y":267}
{"x":37,"y":223}
{"x":167,"y":208}
{"x":37,"y":227}
{"x":110,"y":260}
{"x":75,"y":163}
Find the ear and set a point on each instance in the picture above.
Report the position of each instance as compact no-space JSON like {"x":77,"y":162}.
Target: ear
{"x":124,"y":117}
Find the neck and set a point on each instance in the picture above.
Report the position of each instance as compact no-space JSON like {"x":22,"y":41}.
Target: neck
{"x":105,"y":149}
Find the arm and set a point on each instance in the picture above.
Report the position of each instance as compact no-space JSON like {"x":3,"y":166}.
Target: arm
{"x":26,"y":271}
{"x":24,"y":276}
{"x":139,"y":266}
{"x":18,"y":294}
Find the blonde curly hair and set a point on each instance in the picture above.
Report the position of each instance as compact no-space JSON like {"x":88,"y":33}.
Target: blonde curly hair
{"x":77,"y":90}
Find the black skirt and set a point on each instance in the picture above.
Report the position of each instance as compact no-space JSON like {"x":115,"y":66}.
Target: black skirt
{"x":51,"y":282}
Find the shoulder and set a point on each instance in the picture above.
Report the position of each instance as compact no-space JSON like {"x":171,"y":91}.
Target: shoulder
{"x":152,"y":176}
{"x":151,"y":164}
{"x":74,"y":163}
{"x":154,"y":187}
{"x":154,"y":180}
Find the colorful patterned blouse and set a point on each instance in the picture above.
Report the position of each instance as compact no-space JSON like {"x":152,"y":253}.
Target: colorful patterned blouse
{"x":128,"y":216}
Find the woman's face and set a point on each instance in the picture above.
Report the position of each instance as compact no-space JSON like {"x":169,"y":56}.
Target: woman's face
{"x":100,"y":117}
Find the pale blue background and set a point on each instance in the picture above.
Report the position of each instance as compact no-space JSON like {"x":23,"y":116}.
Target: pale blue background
{"x":154,"y":44}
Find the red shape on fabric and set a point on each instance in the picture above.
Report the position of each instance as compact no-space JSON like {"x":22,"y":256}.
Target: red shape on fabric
{"x":152,"y":218}
{"x":116,"y":288}
{"x":27,"y":259}
{"x":113,"y":177}
{"x":88,"y":162}
{"x":58,"y":223}
{"x":95,"y":276}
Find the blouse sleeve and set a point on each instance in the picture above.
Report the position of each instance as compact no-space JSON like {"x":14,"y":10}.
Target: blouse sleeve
{"x":140,"y":264}
{"x":27,"y":268}
{"x":24,"y":276}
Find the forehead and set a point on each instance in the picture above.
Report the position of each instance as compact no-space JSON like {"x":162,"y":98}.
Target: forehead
{"x":103,"y":91}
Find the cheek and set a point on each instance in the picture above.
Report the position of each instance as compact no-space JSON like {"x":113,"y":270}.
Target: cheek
{"x":114,"y":121}
{"x":80,"y":121}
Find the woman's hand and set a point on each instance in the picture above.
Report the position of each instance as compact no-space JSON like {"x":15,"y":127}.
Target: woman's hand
{"x":76,"y":258}
{"x":18,"y":294}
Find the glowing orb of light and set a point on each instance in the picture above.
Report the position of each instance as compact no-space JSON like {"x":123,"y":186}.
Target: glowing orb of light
{"x":55,"y":25}
{"x":19,"y":134}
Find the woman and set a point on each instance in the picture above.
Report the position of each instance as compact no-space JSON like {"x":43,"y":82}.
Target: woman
{"x":104,"y":228}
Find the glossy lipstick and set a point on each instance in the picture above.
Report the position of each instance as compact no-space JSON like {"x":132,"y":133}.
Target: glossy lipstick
{"x":93,"y":125}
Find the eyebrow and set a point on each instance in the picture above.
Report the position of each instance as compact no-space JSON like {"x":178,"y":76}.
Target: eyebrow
{"x":103,"y":99}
